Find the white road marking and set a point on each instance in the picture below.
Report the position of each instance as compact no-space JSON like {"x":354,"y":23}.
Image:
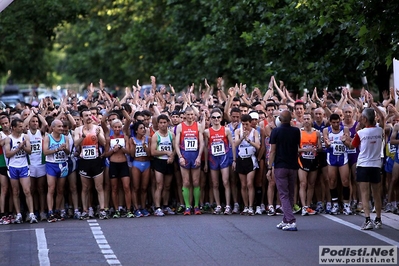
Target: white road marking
{"x":44,"y":260}
{"x":103,"y":243}
{"x":357,"y":227}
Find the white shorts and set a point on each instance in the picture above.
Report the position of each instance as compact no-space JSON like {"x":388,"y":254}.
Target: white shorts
{"x":37,"y":170}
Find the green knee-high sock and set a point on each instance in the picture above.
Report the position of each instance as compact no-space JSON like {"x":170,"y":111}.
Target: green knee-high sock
{"x":197,"y":195}
{"x":186,"y":196}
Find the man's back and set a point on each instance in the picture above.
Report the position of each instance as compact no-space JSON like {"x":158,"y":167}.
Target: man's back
{"x":287,"y":139}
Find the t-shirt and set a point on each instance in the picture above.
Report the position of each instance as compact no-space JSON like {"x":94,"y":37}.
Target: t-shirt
{"x":287,"y":139}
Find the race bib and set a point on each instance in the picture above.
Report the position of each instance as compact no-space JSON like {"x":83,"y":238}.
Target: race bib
{"x":218,"y":149}
{"x":140,"y":151}
{"x":165,"y":147}
{"x":392,"y":148}
{"x":20,"y":154}
{"x":36,"y":147}
{"x":117,"y":142}
{"x":190,"y":144}
{"x":351,"y":151}
{"x":310,"y":155}
{"x":89,"y":152}
{"x":338,"y":149}
{"x":60,"y":157}
{"x":244,"y":151}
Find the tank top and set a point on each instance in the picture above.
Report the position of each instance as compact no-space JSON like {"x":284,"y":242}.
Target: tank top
{"x":164,"y":144}
{"x":60,"y":156}
{"x":90,"y":147}
{"x":36,"y":143}
{"x":120,"y":140}
{"x":246,"y":150}
{"x":352,"y":131}
{"x":189,"y":137}
{"x":19,"y":159}
{"x":140,"y":151}
{"x":2,"y":157}
{"x":337,"y":147}
{"x":218,"y":143}
{"x":308,"y":140}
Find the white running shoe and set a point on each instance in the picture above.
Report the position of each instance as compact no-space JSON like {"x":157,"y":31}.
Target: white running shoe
{"x":347,"y":209}
{"x":236,"y":209}
{"x":258,"y":210}
{"x":33,"y":219}
{"x":218,"y":210}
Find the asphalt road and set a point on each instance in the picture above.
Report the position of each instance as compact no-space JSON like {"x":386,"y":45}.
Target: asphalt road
{"x":184,"y":240}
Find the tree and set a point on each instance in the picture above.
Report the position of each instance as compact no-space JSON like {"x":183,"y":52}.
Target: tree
{"x":27,"y":31}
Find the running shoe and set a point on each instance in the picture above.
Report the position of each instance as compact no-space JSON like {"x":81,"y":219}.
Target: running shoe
{"x":117,"y":215}
{"x":218,"y":210}
{"x":271,"y":211}
{"x":76,"y":215}
{"x":290,"y":227}
{"x":18,"y":219}
{"x":84,"y":216}
{"x":197,"y":211}
{"x":168,"y":211}
{"x":281,"y":225}
{"x":258,"y":210}
{"x":328,"y":208}
{"x":122,"y":212}
{"x":129,"y":214}
{"x":367,"y":225}
{"x":138,"y":213}
{"x":263,"y":208}
{"x":319,"y":207}
{"x":145,"y":212}
{"x":52,"y":218}
{"x":245,"y":211}
{"x":91,"y":213}
{"x":102,"y":215}
{"x":335,"y":209}
{"x":377,"y":224}
{"x":207,"y":208}
{"x":5,"y":220}
{"x":307,"y":211}
{"x":187,"y":211}
{"x":236,"y":209}
{"x":11,"y":218}
{"x":388,"y":207}
{"x":347,"y":209}
{"x":279,"y":211}
{"x":227,"y":210}
{"x":33,"y":219}
{"x":158,"y":212}
{"x":63,"y":215}
{"x":251,"y":211}
{"x":70,"y":212}
{"x":181,"y":209}
{"x":296,"y":209}
{"x":353,"y":205}
{"x":43,"y":216}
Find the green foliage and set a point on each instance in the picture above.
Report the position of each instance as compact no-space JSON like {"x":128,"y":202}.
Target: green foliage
{"x":27,"y":34}
{"x":305,"y":43}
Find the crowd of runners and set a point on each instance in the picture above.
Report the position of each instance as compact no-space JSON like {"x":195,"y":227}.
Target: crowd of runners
{"x":198,"y":152}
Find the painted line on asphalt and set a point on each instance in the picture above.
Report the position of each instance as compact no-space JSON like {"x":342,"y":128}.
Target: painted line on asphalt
{"x":103,"y":243}
{"x":16,"y":230}
{"x":42,"y":249}
{"x":357,"y":227}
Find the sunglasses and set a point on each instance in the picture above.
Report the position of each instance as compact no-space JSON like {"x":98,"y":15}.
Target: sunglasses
{"x":216,"y":117}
